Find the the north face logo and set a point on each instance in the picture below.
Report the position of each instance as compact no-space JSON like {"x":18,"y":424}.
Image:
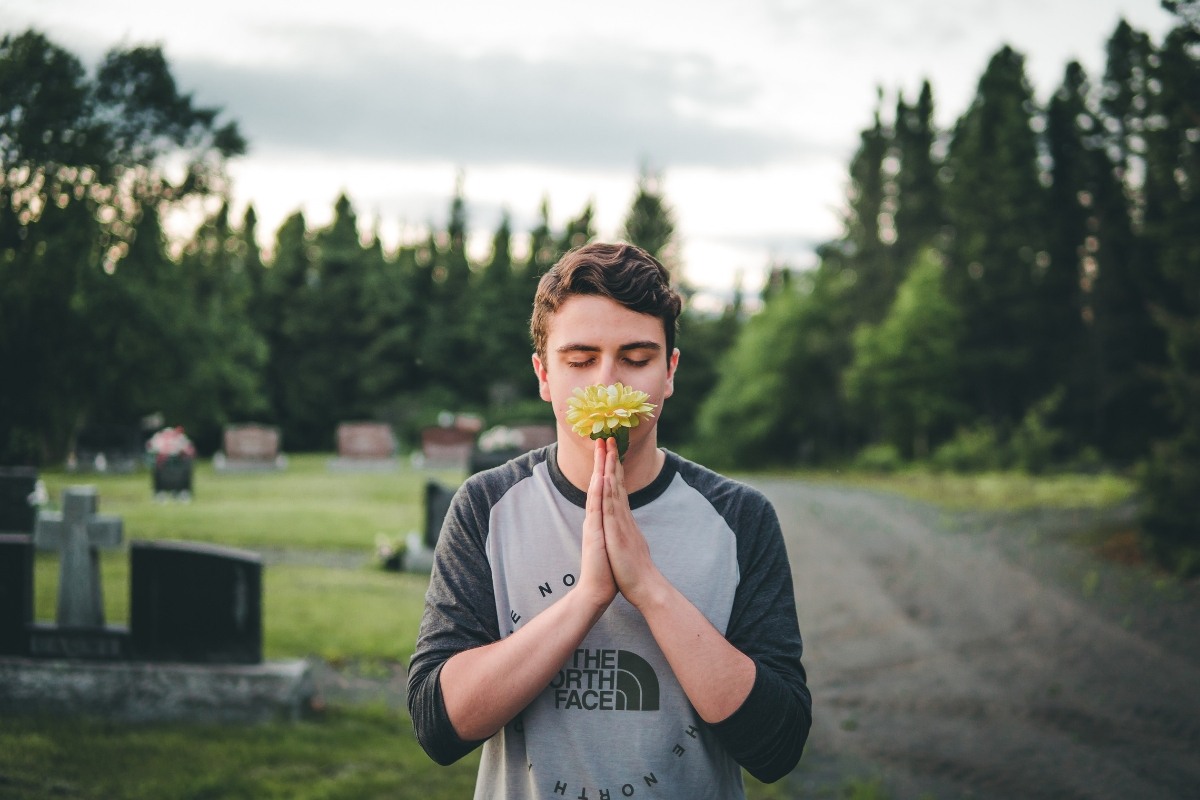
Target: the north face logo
{"x":606,"y":680}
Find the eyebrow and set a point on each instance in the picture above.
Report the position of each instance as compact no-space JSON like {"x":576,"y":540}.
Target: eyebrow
{"x":577,"y":347}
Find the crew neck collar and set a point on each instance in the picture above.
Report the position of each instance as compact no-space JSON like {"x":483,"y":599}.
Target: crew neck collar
{"x":647,"y":494}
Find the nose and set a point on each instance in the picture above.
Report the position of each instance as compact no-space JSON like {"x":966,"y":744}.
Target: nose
{"x":608,"y":374}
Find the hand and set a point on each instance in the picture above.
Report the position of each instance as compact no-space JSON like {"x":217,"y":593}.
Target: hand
{"x":628,"y":553}
{"x":595,"y":574}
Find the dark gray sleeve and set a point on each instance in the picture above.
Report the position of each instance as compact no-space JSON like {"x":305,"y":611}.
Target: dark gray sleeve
{"x":767,"y":734}
{"x":460,"y":613}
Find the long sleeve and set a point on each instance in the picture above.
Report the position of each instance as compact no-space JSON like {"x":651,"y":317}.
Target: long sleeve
{"x":459,"y":614}
{"x":767,"y":734}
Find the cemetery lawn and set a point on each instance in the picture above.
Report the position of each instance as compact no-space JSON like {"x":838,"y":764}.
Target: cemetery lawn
{"x":325,"y":598}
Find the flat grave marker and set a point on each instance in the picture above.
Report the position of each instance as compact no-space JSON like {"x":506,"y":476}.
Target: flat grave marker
{"x":250,"y":447}
{"x":447,"y":446}
{"x":365,"y":446}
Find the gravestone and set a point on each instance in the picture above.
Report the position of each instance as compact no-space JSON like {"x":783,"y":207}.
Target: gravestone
{"x":195,"y":615}
{"x":447,"y":446}
{"x":173,"y":477}
{"x":18,"y":499}
{"x":108,"y":448}
{"x":535,"y":437}
{"x":78,"y":532}
{"x":16,"y":592}
{"x":365,"y":446}
{"x":250,"y":447}
{"x":437,"y":505}
{"x":500,"y":444}
{"x":194,"y":602}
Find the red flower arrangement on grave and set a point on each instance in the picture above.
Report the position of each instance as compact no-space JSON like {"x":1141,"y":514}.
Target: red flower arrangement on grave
{"x":170,"y":443}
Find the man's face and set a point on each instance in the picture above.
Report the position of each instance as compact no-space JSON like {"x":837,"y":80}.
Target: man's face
{"x":594,"y":340}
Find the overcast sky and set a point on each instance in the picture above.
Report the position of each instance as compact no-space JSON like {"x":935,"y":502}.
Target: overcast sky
{"x":750,"y":109}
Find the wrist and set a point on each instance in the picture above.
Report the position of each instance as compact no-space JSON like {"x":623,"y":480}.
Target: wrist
{"x":591,"y":601}
{"x":651,"y":593}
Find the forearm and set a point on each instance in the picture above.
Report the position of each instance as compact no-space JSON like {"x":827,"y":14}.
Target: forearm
{"x":715,"y":675}
{"x":485,"y":687}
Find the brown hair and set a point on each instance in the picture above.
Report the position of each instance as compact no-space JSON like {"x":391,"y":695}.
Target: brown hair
{"x":624,"y":273}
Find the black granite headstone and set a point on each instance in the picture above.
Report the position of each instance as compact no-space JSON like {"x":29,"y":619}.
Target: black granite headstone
{"x":16,"y":593}
{"x":437,"y":505}
{"x":195,"y":603}
{"x":486,"y":459}
{"x":17,"y":511}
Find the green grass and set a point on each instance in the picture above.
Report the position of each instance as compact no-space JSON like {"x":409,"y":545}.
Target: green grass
{"x":345,"y":609}
{"x":991,"y":491}
{"x":305,"y":608}
{"x":351,"y":753}
{"x":306,"y":506}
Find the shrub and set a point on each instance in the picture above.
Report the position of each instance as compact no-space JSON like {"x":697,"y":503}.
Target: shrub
{"x":879,"y":458}
{"x":976,"y":449}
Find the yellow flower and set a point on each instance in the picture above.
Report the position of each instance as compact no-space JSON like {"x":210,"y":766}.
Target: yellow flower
{"x":602,"y":411}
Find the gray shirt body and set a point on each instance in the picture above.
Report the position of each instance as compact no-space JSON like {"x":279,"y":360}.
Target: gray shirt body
{"x":614,"y":722}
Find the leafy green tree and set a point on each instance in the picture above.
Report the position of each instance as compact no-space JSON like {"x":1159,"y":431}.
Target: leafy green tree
{"x":906,"y":368}
{"x":778,"y":399}
{"x":89,"y":164}
{"x":703,"y":340}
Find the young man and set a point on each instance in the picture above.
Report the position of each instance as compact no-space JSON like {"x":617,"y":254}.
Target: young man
{"x":609,"y":629}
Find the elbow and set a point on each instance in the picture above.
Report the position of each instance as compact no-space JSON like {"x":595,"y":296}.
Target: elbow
{"x":431,"y":724}
{"x":786,"y":754}
{"x":443,"y":746}
{"x":442,"y":756}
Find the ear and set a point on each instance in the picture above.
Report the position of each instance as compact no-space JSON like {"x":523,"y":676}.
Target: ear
{"x":539,"y":369}
{"x":672,"y":365}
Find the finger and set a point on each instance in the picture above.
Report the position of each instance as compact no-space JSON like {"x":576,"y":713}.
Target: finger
{"x":596,"y":486}
{"x":610,"y":457}
{"x":618,"y":472}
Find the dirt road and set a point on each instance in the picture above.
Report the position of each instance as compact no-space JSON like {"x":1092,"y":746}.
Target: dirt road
{"x":964,"y":663}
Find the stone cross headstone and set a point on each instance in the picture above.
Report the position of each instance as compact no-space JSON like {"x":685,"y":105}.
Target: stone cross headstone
{"x":77,"y":532}
{"x":18,"y":506}
{"x":16,"y":592}
{"x":195,"y":603}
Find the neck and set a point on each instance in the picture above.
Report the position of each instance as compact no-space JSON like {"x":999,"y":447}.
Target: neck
{"x":643,"y":460}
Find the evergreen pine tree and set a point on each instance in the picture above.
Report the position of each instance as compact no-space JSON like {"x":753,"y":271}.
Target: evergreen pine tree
{"x":997,"y":203}
{"x":650,"y":222}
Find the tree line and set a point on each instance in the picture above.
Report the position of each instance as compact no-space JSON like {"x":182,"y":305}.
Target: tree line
{"x":1017,"y":291}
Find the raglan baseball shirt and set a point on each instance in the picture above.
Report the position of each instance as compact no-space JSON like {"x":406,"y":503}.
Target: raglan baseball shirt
{"x":614,"y":722}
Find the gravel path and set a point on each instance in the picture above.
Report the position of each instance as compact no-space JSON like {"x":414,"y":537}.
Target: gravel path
{"x":967,"y":658}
